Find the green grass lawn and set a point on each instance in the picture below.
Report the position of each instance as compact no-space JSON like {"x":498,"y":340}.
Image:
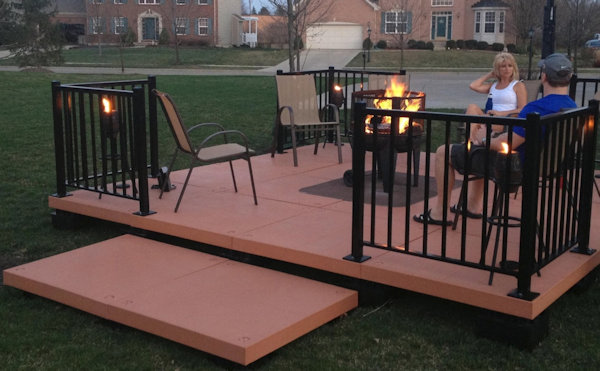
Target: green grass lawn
{"x":403,"y":331}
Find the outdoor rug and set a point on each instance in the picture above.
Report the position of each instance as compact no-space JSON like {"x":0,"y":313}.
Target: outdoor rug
{"x":338,"y":190}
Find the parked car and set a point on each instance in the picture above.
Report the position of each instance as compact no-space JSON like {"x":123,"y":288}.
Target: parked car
{"x":592,"y":44}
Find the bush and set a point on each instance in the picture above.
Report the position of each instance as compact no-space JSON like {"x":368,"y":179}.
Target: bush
{"x":421,"y":45}
{"x":471,"y":44}
{"x":412,"y":44}
{"x":429,"y":45}
{"x":128,"y":38}
{"x":498,"y":47}
{"x":450,"y":44}
{"x":512,"y":48}
{"x":482,"y":45}
{"x":164,"y":37}
{"x":381,"y":44}
{"x":460,"y":44}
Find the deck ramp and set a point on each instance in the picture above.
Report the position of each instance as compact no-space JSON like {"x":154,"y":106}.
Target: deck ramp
{"x":233,"y":310}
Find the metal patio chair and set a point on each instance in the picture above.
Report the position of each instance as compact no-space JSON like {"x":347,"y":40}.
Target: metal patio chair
{"x":214,"y":148}
{"x":298,"y":109}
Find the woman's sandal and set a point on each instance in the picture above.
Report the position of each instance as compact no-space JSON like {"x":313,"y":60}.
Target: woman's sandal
{"x":426,"y":218}
{"x":454,"y":209}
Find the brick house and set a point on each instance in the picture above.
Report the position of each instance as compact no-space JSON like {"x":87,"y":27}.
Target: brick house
{"x":196,"y":22}
{"x":346,"y":23}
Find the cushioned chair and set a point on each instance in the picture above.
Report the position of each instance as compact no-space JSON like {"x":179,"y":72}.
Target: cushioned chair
{"x":215,"y":147}
{"x":298,"y":109}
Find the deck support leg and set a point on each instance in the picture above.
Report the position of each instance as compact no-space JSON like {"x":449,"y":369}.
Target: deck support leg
{"x":65,"y":220}
{"x":519,"y":332}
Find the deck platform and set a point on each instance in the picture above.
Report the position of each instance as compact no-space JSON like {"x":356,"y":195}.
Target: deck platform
{"x":293,"y":225}
{"x":233,"y":310}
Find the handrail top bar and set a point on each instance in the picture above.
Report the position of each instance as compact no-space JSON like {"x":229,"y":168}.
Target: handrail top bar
{"x":96,"y":90}
{"x":121,"y":82}
{"x":358,"y":71}
{"x":569,"y":113}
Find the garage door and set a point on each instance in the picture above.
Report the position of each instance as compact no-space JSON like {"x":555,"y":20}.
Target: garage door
{"x":334,"y":36}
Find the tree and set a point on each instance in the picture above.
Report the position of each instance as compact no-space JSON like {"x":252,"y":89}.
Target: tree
{"x":38,"y":41}
{"x":526,"y":15}
{"x":7,"y":24}
{"x":299,"y":15}
{"x":264,"y":11}
{"x":178,"y":21}
{"x":406,"y":13}
{"x":576,"y":22}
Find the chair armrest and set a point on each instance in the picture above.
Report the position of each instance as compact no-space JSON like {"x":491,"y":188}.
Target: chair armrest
{"x":291,"y":111}
{"x":225,"y":133}
{"x":204,"y":124}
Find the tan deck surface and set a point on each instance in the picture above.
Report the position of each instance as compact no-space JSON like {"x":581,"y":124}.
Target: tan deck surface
{"x":236,"y":311}
{"x":315,"y":231}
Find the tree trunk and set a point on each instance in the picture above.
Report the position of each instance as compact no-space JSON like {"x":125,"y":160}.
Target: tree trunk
{"x":291,"y":36}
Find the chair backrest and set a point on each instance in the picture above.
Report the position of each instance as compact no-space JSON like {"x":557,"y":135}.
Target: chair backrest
{"x":299,"y":93}
{"x":533,"y":88}
{"x":597,"y":96}
{"x":175,"y":122}
{"x":380,"y":82}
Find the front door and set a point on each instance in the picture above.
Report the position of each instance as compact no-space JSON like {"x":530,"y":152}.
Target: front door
{"x":149,"y":28}
{"x":441,"y":25}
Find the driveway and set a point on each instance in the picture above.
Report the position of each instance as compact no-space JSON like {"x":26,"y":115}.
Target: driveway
{"x":318,"y":59}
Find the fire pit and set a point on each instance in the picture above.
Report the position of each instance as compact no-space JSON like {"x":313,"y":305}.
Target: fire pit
{"x":379,"y":128}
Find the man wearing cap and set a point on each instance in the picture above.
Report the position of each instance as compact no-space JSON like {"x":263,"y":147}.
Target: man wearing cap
{"x":556,"y":76}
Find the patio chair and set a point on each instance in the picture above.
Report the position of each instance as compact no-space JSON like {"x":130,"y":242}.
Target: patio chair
{"x":214,"y":148}
{"x":297,"y":109}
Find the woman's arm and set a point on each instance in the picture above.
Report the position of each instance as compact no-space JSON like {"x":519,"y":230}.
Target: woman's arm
{"x":481,"y":85}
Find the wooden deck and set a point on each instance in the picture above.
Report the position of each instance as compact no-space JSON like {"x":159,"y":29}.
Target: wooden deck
{"x":313,"y":230}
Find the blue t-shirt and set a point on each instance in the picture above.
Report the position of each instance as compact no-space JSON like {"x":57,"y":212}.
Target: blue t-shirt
{"x":547,"y":105}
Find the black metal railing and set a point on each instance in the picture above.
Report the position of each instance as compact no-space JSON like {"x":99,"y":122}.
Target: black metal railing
{"x":101,"y":132}
{"x":582,"y":90}
{"x":556,"y":193}
{"x":349,"y":80}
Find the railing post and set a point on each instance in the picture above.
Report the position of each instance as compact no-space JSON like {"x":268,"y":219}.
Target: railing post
{"x":573,"y":87}
{"x":529,"y":225}
{"x":153,"y":127}
{"x":587,"y":180}
{"x":139,"y":125}
{"x":358,"y":184}
{"x":59,"y":143}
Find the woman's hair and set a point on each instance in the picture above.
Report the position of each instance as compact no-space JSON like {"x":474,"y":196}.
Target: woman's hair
{"x":500,"y":58}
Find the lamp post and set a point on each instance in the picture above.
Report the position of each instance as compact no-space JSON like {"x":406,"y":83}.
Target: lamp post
{"x":531,"y":31}
{"x":369,"y":43}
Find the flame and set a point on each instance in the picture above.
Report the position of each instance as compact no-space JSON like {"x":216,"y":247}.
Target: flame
{"x":468,"y":145}
{"x":106,"y":105}
{"x":504,"y":147}
{"x":396,"y":89}
{"x":336,"y":87}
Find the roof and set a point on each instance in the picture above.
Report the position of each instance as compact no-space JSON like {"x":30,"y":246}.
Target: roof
{"x":490,"y":4}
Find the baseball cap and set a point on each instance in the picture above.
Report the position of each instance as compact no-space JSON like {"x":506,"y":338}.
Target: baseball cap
{"x":558,"y":68}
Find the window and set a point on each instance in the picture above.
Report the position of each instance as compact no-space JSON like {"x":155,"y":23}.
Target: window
{"x":181,"y":2}
{"x":119,"y":25}
{"x":97,"y":25}
{"x":397,"y":22}
{"x":442,"y":2}
{"x":203,"y":26}
{"x":202,"y":2}
{"x":149,"y":1}
{"x":120,"y":1}
{"x":490,"y":22}
{"x":181,"y":26}
{"x":501,"y":22}
{"x":478,"y":22}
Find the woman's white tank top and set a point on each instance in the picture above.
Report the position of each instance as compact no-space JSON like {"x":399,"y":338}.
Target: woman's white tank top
{"x":503,"y":99}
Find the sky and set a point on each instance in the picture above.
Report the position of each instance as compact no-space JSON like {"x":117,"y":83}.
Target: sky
{"x":257,"y":4}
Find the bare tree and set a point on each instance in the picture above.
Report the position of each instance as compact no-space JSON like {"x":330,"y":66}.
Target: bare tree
{"x":405,"y":14}
{"x":578,"y":21}
{"x":299,"y":15}
{"x":98,"y":26}
{"x":527,"y":15}
{"x":178,"y":23}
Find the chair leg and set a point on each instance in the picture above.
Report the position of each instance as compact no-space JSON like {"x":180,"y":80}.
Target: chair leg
{"x":318,"y":133}
{"x":162,"y":189}
{"x":276,"y":130}
{"x":339,"y":143}
{"x":294,"y":146}
{"x":187,"y":178}
{"x":459,"y":204}
{"x":233,"y":176}
{"x":252,"y":180}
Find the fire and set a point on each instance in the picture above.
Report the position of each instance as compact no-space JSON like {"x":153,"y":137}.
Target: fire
{"x":396,"y":89}
{"x":106,"y":105}
{"x":504,"y":147}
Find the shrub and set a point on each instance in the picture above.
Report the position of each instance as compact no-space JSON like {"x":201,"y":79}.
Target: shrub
{"x":471,"y":44}
{"x":450,"y":44}
{"x":429,"y":45}
{"x":498,"y":47}
{"x":381,"y":44}
{"x":482,"y":45}
{"x":460,"y":44}
{"x":164,"y":37}
{"x":421,"y":45}
{"x":512,"y":48}
{"x":128,"y":38}
{"x":412,"y":44}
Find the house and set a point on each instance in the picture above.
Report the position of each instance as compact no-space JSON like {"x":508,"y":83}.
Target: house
{"x":193,"y":22}
{"x":344,"y":24}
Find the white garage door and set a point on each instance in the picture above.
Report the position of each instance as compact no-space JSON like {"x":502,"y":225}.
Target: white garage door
{"x":334,"y":36}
